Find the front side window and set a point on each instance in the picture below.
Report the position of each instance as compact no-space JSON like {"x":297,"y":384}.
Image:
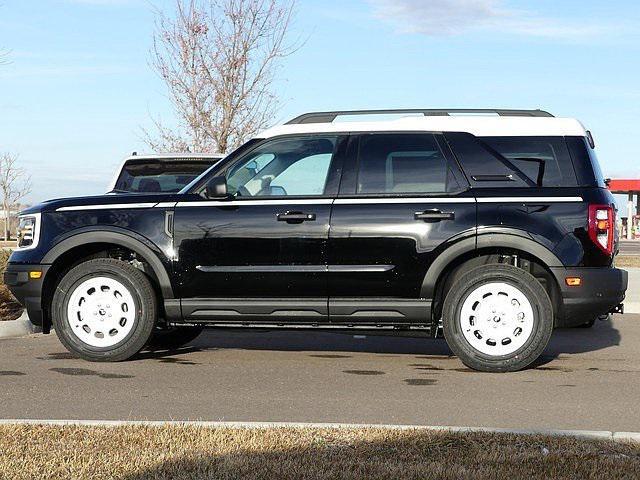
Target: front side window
{"x":283,"y":167}
{"x":403,"y":164}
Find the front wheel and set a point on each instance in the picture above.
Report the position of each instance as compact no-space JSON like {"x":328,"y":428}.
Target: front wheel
{"x":104,"y":310}
{"x":497,"y":318}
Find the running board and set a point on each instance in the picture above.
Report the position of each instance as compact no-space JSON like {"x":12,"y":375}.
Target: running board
{"x":397,"y":329}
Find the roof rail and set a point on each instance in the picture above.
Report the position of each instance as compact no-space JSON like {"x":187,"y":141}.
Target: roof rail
{"x":328,"y":117}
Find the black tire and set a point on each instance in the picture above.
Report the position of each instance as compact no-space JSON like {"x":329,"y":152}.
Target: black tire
{"x":139,"y":288}
{"x":528,"y":286}
{"x":172,"y":338}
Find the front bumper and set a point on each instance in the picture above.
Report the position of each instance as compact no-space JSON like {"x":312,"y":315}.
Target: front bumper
{"x":28,"y":291}
{"x":601,"y":291}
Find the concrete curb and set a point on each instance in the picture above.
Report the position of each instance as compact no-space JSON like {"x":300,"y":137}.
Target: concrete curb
{"x":590,"y":434}
{"x":18,"y":328}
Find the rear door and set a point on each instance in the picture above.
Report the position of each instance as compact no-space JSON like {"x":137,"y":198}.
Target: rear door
{"x":402,"y":200}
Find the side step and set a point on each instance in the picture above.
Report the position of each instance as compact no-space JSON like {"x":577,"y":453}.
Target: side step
{"x":399,"y":330}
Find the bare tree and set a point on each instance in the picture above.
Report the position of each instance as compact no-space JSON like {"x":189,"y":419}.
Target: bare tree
{"x":219,"y":59}
{"x":15,"y":183}
{"x":4,"y":56}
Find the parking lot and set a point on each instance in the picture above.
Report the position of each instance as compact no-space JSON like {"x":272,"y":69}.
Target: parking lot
{"x":587,"y":379}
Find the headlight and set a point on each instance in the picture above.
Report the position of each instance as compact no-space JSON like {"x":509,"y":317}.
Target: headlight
{"x":28,"y":230}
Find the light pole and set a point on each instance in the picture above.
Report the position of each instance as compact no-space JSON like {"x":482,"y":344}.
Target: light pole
{"x":630,"y":215}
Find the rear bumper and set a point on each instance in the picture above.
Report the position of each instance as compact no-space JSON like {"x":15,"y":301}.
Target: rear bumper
{"x":28,"y":291}
{"x":602,"y":289}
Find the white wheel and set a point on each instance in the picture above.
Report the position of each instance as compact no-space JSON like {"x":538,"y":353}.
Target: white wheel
{"x":496,"y":319}
{"x":101,"y":312}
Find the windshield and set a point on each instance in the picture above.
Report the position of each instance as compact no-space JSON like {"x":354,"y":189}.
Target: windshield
{"x":145,"y":176}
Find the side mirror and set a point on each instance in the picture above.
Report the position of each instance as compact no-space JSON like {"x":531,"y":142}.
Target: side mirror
{"x":216,"y":188}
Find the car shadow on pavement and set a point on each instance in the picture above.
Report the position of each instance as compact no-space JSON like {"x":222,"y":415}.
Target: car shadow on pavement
{"x":166,"y":355}
{"x":319,"y":341}
{"x":602,"y":335}
{"x":564,"y":341}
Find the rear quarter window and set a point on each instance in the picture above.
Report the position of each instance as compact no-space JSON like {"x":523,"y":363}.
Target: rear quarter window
{"x":514,"y":161}
{"x":544,"y":160}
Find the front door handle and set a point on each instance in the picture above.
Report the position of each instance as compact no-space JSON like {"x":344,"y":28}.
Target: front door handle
{"x":296,"y":217}
{"x":433,"y":215}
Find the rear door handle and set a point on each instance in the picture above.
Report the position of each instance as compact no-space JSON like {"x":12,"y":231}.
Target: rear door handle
{"x":433,"y":215}
{"x":296,"y":217}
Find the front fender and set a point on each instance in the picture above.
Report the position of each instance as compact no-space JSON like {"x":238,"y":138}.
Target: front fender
{"x":157,"y":260}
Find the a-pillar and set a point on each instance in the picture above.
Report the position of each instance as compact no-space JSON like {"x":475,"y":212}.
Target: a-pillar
{"x":630,"y":213}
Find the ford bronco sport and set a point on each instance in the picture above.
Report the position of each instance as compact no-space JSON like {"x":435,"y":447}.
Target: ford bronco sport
{"x":492,"y":226}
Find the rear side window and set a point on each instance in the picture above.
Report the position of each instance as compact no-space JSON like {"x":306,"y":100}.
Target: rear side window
{"x":544,"y":160}
{"x":403,"y":164}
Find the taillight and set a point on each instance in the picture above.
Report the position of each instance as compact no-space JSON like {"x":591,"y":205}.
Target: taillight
{"x":601,"y":227}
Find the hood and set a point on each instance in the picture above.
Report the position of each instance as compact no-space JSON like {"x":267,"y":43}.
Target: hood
{"x":106,"y":199}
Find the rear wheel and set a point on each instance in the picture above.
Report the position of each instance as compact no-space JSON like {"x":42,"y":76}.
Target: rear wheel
{"x":104,"y":310}
{"x":497,"y":318}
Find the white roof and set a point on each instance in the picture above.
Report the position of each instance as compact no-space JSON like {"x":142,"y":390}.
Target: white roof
{"x":480,"y":126}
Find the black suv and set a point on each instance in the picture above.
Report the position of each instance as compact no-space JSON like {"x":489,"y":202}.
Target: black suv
{"x":494,"y":226}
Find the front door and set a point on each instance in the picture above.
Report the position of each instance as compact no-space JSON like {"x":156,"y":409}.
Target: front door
{"x":246,"y":258}
{"x":402,"y":201}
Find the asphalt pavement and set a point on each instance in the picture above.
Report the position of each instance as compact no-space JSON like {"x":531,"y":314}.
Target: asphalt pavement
{"x":587,"y":379}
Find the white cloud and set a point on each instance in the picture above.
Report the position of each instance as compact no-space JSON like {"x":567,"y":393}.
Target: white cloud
{"x":452,"y":17}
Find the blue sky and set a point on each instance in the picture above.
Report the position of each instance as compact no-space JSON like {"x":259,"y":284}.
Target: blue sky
{"x":79,"y":87}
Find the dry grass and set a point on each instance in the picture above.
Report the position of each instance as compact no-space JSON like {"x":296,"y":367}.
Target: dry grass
{"x":134,"y":452}
{"x":628,"y":261}
{"x":10,"y":309}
